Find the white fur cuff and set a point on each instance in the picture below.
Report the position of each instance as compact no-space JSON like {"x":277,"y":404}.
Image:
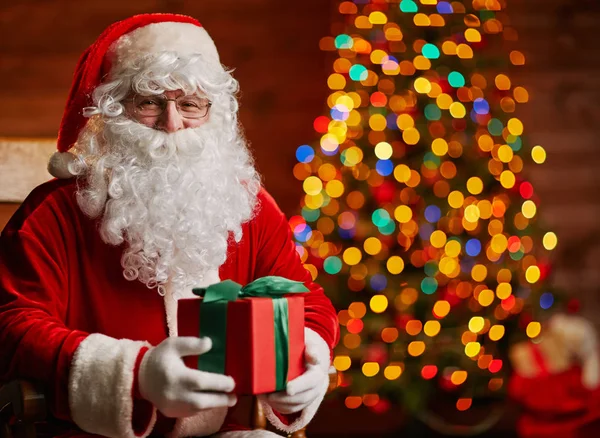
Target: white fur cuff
{"x":100,"y":385}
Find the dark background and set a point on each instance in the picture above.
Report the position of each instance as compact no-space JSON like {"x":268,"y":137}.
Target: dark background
{"x":274,"y":47}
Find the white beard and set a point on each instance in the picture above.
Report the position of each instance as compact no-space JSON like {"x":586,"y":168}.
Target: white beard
{"x":173,"y":198}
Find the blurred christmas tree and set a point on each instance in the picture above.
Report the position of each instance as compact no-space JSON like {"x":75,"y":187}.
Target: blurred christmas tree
{"x":417,"y":217}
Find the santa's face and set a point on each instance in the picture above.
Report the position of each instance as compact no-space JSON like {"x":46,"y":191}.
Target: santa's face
{"x":174,"y":194}
{"x":170,"y":111}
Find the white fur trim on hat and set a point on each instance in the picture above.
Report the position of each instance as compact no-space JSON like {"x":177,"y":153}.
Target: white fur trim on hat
{"x":100,"y":386}
{"x":183,"y":38}
{"x":58,"y":165}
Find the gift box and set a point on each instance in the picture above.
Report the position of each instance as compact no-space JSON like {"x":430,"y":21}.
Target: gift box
{"x":257,"y":332}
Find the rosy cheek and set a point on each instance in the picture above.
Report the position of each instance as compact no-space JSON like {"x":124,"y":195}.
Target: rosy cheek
{"x":150,"y":122}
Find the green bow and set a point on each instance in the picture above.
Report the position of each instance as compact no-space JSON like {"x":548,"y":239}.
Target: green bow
{"x":213,"y":319}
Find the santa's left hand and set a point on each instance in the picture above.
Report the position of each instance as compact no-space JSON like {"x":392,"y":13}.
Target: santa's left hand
{"x":310,"y":386}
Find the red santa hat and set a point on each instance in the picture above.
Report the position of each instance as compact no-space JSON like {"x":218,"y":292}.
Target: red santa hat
{"x":140,"y":34}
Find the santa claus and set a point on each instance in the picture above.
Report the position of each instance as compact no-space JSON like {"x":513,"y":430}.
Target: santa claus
{"x":156,"y":193}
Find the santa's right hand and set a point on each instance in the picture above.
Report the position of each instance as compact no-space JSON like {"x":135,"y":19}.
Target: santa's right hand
{"x":177,"y":390}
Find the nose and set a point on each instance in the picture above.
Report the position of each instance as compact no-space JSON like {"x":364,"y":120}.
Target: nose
{"x":170,"y":120}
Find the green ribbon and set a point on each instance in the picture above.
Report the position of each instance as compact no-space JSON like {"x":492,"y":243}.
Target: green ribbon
{"x":213,"y":319}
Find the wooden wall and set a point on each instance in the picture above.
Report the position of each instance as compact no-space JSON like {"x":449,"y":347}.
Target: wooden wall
{"x":272,"y":44}
{"x":562,"y":74}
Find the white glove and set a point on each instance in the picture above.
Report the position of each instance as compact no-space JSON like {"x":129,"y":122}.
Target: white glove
{"x":579,"y":337}
{"x":177,"y":390}
{"x":310,"y":386}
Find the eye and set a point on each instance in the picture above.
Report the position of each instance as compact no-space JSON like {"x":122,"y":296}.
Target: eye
{"x":189,"y":104}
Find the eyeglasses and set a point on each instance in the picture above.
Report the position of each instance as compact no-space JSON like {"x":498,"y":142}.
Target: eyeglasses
{"x":190,"y":107}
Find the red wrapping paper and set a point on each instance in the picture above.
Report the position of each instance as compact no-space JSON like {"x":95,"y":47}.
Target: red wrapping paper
{"x":250,"y":342}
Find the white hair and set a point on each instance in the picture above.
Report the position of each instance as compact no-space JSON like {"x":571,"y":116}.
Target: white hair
{"x":174,"y":198}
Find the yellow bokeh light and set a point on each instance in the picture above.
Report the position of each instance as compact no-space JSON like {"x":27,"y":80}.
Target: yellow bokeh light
{"x":472,"y":349}
{"x":479,"y":273}
{"x":402,"y":173}
{"x":370,"y":369}
{"x":439,"y":147}
{"x":378,"y":303}
{"x":346,"y":101}
{"x":475,"y":185}
{"x":533,"y":329}
{"x":499,"y":243}
{"x":515,"y":126}
{"x":416,"y":348}
{"x":314,"y":202}
{"x":403,"y":214}
{"x":392,"y":372}
{"x":383,"y":150}
{"x":458,"y":110}
{"x":456,"y":199}
{"x":528,"y":209}
{"x":452,"y":248}
{"x":336,"y":81}
{"x":444,"y":101}
{"x":377,"y":122}
{"x":472,"y":213}
{"x":496,"y":332}
{"x":405,"y":121}
{"x":532,"y":274}
{"x":377,"y":17}
{"x":472,"y":35}
{"x":422,"y":85}
{"x":334,"y":188}
{"x":538,"y":154}
{"x":448,"y":266}
{"x":486,"y":297}
{"x":476,"y":324}
{"x":395,"y":265}
{"x":342,"y":363}
{"x":438,"y":239}
{"x":352,"y":256}
{"x":432,"y":328}
{"x":550,"y":240}
{"x":372,"y":245}
{"x":507,"y":179}
{"x":312,"y":185}
{"x":411,"y":136}
{"x":505,"y":153}
{"x":503,"y":291}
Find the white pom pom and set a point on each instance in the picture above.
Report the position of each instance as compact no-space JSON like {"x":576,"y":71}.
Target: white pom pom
{"x":58,"y":166}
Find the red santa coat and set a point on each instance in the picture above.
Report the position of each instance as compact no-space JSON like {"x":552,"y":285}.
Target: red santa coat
{"x":71,"y":322}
